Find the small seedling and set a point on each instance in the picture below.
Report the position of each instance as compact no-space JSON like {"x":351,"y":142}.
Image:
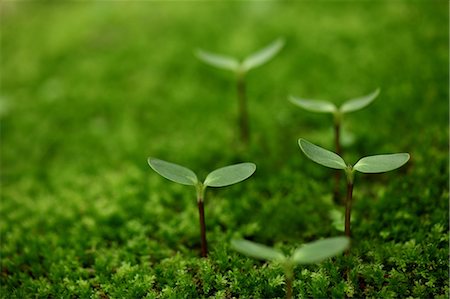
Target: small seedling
{"x":371,"y":164}
{"x":337,"y":112}
{"x":221,"y":177}
{"x":310,"y":253}
{"x":240,"y":69}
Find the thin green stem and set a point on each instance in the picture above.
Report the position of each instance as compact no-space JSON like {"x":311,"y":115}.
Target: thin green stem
{"x":337,"y":144}
{"x":337,"y":136}
{"x":201,"y":211}
{"x":243,"y":113}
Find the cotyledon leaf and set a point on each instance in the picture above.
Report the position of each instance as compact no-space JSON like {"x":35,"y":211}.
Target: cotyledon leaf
{"x":381,"y":163}
{"x":321,"y":156}
{"x":230,"y":175}
{"x":317,"y":251}
{"x":359,"y":103}
{"x":262,"y":56}
{"x":173,"y":172}
{"x":314,"y":105}
{"x":256,"y":250}
{"x":218,"y":60}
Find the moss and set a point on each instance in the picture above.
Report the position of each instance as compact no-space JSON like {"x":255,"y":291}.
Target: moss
{"x":89,"y":92}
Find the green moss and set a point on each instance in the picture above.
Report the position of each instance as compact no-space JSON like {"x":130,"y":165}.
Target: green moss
{"x":89,"y":92}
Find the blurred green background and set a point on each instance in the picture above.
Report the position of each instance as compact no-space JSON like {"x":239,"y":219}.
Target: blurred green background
{"x":89,"y":90}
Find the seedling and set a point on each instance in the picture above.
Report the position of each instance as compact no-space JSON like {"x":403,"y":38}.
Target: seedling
{"x":337,"y":112}
{"x":310,"y":253}
{"x":240,"y":68}
{"x":370,"y":164}
{"x":221,"y":177}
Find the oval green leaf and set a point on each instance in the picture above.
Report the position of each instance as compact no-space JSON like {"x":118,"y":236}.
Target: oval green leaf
{"x":314,"y":105}
{"x":230,"y":175}
{"x":317,"y":251}
{"x":381,"y":163}
{"x":359,"y":103}
{"x":262,"y":56}
{"x":173,"y":172}
{"x":321,"y":156}
{"x":217,"y":60}
{"x":256,"y":250}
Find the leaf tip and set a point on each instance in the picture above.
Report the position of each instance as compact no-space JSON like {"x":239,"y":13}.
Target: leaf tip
{"x":252,"y":166}
{"x":406,"y":157}
{"x":281,"y":41}
{"x":376,"y":92}
{"x":234,"y":243}
{"x":292,"y":99}
{"x":302,"y":142}
{"x":198,"y":52}
{"x":151,"y":160}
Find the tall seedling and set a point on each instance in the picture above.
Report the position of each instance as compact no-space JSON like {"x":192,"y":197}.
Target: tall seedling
{"x":371,"y":164}
{"x":240,"y":68}
{"x":310,"y":253}
{"x":221,"y":177}
{"x":338,"y":113}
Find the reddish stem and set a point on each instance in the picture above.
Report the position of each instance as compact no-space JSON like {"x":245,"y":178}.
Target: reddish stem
{"x":348,"y":208}
{"x":201,"y":211}
{"x":288,"y":287}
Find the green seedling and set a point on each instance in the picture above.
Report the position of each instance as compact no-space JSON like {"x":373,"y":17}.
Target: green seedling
{"x":221,"y":177}
{"x":338,"y":113}
{"x":240,"y":68}
{"x":371,"y":164}
{"x":310,"y":253}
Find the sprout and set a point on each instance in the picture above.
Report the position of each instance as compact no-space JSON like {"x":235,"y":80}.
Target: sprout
{"x":371,"y":164}
{"x":240,"y":69}
{"x":310,"y":253}
{"x":328,"y":107}
{"x":221,"y":177}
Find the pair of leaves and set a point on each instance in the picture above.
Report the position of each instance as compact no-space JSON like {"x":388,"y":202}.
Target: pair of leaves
{"x":328,"y":107}
{"x":221,"y":177}
{"x":309,"y":253}
{"x":252,"y":61}
{"x":371,"y":164}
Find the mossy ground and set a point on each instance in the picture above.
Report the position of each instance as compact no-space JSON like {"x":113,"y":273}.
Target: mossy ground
{"x":90,"y":90}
